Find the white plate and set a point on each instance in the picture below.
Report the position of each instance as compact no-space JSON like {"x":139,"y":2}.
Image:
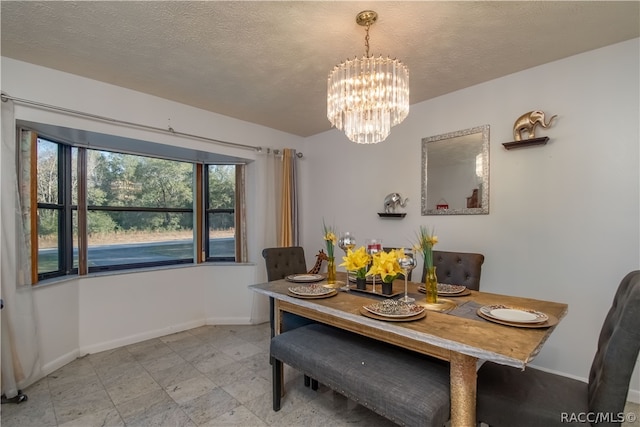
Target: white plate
{"x":311,"y":290}
{"x":394,"y":308}
{"x":514,"y":315}
{"x":305,"y":278}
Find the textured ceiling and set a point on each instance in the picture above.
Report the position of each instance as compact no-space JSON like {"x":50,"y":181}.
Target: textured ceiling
{"x":267,"y":62}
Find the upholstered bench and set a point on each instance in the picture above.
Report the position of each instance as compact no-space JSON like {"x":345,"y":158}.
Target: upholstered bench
{"x":403,"y":386}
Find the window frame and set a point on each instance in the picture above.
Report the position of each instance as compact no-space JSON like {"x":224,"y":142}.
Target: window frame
{"x":206,"y":226}
{"x":66,"y":210}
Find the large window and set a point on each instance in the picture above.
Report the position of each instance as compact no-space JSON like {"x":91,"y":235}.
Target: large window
{"x":220,"y":212}
{"x":51,"y":208}
{"x":139,"y":211}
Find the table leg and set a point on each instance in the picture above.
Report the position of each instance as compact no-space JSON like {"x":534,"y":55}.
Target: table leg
{"x":277,"y":328}
{"x":463,"y":390}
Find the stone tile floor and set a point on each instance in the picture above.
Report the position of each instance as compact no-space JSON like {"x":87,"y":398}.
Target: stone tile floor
{"x":207,"y":376}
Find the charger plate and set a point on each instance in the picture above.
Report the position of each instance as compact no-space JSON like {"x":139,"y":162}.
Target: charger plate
{"x":443,"y":304}
{"x":465,"y":292}
{"x":312,"y":290}
{"x":367,"y":313}
{"x":333,"y":293}
{"x":337,"y":285}
{"x":551,"y":321}
{"x":304,"y":278}
{"x":513,"y":314}
{"x":394,"y":308}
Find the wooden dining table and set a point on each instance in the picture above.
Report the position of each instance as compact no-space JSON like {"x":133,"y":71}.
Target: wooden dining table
{"x":459,"y":335}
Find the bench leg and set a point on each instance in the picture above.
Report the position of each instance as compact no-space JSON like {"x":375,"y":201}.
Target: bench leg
{"x":277,"y":383}
{"x":314,"y":385}
{"x":307,"y":381}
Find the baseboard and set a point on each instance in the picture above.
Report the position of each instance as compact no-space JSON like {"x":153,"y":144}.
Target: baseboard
{"x":58,"y":363}
{"x":69,"y":357}
{"x":132,"y":339}
{"x":48,"y":368}
{"x":632,"y":396}
{"x":229,"y":321}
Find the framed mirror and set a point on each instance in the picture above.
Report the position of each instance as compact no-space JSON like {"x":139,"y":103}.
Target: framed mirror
{"x":455,"y":173}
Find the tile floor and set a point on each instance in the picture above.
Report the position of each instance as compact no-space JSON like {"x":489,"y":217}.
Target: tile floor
{"x":207,"y":376}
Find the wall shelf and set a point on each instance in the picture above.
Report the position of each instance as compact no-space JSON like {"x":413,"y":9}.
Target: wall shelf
{"x":392,"y":215}
{"x":526,"y":143}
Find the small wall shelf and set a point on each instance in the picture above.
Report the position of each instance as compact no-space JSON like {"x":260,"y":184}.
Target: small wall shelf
{"x":392,"y":215}
{"x":526,"y":143}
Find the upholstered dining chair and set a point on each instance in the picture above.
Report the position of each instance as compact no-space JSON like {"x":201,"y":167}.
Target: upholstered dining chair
{"x":457,"y":268}
{"x":280,"y":263}
{"x":507,"y":396}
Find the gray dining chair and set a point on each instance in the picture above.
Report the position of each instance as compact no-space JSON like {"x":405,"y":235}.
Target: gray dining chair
{"x":457,"y":268}
{"x":280,"y":263}
{"x":508,"y":397}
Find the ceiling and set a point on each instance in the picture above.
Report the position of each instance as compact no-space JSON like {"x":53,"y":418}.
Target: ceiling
{"x":267,"y":62}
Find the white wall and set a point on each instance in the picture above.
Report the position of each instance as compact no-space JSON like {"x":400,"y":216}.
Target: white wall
{"x":564,"y":217}
{"x":89,"y":314}
{"x":563,"y":222}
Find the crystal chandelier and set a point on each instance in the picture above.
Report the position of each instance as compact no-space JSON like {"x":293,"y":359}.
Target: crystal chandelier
{"x":367,"y":96}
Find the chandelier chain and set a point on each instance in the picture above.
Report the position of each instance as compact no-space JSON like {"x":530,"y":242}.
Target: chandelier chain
{"x":366,"y":40}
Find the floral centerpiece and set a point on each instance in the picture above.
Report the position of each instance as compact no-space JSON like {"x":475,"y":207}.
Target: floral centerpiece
{"x":330,"y":240}
{"x":386,"y":265}
{"x":357,"y":261}
{"x":426,"y":241}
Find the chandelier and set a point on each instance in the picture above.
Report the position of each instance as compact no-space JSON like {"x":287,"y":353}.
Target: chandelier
{"x":367,"y":96}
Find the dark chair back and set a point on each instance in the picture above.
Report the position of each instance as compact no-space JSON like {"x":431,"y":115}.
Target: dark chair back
{"x":618,"y":347}
{"x":507,"y":396}
{"x":457,"y":268}
{"x":282,"y":262}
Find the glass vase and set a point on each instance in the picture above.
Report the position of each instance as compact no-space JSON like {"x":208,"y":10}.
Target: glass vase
{"x":331,"y":271}
{"x":431,"y":285}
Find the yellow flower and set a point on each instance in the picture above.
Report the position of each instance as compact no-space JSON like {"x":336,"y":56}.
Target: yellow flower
{"x":329,"y":238}
{"x":357,"y":261}
{"x":386,"y":265}
{"x":426,"y":241}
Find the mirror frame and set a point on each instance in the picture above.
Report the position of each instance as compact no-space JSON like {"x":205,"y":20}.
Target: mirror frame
{"x":484,"y":131}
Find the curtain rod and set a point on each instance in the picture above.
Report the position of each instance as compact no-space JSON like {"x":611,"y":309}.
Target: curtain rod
{"x":277,"y":152}
{"x":5,"y":97}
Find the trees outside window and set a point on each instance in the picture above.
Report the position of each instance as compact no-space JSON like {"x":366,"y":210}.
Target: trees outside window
{"x":220,"y":212}
{"x":140,"y":210}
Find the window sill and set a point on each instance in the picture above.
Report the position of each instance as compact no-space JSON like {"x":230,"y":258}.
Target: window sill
{"x":65,"y":279}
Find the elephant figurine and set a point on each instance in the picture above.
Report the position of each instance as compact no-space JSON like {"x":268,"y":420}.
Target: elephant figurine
{"x":528,"y":122}
{"x":392,"y":201}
